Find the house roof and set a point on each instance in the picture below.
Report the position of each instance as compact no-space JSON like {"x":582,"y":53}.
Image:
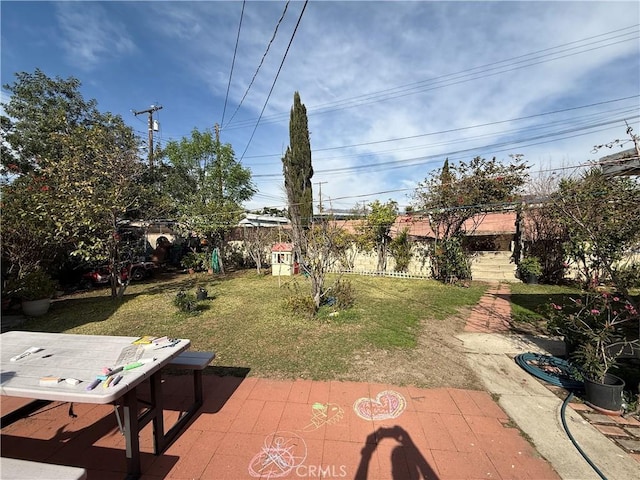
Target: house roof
{"x":254,"y":220}
{"x":282,"y":247}
{"x":493,"y":223}
{"x":622,"y":163}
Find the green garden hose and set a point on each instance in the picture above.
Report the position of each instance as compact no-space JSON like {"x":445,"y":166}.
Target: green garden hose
{"x":561,"y":373}
{"x":553,"y":370}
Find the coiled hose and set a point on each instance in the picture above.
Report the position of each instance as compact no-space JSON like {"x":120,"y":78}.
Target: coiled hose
{"x":553,"y":370}
{"x":561,"y":373}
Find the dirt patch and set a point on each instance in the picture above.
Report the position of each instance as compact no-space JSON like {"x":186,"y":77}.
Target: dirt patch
{"x":437,"y":361}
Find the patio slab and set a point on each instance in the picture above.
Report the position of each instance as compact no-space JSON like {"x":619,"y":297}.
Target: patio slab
{"x":282,"y":429}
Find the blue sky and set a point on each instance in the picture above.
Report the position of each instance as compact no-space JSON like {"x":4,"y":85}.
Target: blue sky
{"x":391,"y":88}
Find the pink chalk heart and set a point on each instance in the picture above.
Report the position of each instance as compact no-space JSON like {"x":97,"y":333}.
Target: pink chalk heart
{"x":387,"y":404}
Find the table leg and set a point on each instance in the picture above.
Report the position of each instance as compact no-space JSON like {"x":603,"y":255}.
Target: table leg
{"x":158,"y":417}
{"x":132,"y":434}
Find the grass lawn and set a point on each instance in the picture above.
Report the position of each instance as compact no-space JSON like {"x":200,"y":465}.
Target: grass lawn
{"x":248,"y":326}
{"x":529,"y":303}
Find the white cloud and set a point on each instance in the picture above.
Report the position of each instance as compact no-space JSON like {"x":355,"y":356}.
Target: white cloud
{"x":372,"y":71}
{"x":90,"y":35}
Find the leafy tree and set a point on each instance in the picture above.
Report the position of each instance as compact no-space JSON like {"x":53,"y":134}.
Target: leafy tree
{"x":298,"y":171}
{"x":40,"y":111}
{"x":456,"y":198}
{"x":375,"y":231}
{"x":545,"y":235}
{"x":207,"y":185}
{"x":324,"y":244}
{"x":344,"y":243}
{"x":602,"y":218}
{"x":400,"y":248}
{"x":79,"y":167}
{"x":256,"y":241}
{"x":26,"y":231}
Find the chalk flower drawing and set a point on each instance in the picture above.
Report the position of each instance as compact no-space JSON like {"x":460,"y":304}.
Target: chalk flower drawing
{"x":282,"y":452}
{"x":324,"y":414}
{"x":387,"y":404}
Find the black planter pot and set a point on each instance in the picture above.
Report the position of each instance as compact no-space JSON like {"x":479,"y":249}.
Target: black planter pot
{"x":605,"y":396}
{"x":532,"y":279}
{"x":201,"y":295}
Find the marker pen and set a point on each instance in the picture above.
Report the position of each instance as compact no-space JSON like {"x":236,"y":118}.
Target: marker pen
{"x":93,"y":384}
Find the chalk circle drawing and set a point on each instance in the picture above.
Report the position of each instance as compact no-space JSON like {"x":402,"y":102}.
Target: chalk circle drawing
{"x":387,"y":404}
{"x":281,"y":453}
{"x":324,"y":414}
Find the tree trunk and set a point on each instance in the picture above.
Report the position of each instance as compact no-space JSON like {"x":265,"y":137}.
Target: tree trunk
{"x":316,"y":288}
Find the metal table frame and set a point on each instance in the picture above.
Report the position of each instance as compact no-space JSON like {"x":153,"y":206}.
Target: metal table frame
{"x":83,"y":357}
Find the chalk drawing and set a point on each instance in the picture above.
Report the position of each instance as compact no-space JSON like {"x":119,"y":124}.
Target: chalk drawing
{"x":281,"y":453}
{"x":387,"y":404}
{"x":324,"y":414}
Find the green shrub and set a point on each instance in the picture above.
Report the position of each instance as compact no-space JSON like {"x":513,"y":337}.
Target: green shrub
{"x":302,"y":305}
{"x":529,"y":267}
{"x":343,"y":293}
{"x":186,"y":302}
{"x":400,"y":248}
{"x":36,"y":285}
{"x":449,"y":262}
{"x":629,"y":276}
{"x":298,"y":302}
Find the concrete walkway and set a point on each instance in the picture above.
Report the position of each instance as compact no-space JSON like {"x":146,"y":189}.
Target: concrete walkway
{"x":529,"y":403}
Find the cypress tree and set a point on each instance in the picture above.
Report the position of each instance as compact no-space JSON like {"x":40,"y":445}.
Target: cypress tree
{"x":297,"y":166}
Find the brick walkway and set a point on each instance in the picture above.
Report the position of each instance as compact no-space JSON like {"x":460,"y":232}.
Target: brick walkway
{"x":492,"y":313}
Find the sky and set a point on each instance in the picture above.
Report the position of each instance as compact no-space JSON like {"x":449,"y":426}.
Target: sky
{"x":391,"y":88}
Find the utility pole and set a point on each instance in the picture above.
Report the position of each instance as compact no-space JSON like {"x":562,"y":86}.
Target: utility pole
{"x":320,"y":195}
{"x":216,"y":127}
{"x":150,"y":110}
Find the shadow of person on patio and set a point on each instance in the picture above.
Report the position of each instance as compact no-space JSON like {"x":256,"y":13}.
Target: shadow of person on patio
{"x":406,"y":459}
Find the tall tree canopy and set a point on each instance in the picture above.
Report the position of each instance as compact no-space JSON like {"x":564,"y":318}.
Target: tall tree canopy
{"x":375,"y":231}
{"x":456,"y":199}
{"x":297,"y":168}
{"x":41,"y":111}
{"x":207,"y":184}
{"x":77,"y":175}
{"x":457,"y":193}
{"x":602,"y":218}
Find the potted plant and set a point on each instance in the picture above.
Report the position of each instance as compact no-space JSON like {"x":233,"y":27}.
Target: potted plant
{"x":594,"y":325}
{"x":529,"y":270}
{"x":192,"y":261}
{"x":35,"y":289}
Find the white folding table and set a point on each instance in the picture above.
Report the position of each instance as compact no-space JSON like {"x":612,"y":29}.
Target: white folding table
{"x":83,"y":357}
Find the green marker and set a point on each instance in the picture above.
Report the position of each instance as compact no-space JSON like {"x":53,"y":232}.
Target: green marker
{"x":139,"y":363}
{"x":133,"y":365}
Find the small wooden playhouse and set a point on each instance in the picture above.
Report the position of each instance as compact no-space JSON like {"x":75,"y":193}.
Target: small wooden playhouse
{"x":282,"y":259}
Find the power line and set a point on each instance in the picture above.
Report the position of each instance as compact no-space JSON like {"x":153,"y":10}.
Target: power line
{"x":418,"y":160}
{"x":454,"y":78}
{"x":233,"y":63}
{"x":261,"y":62}
{"x":459,"y":129}
{"x":275,"y":79}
